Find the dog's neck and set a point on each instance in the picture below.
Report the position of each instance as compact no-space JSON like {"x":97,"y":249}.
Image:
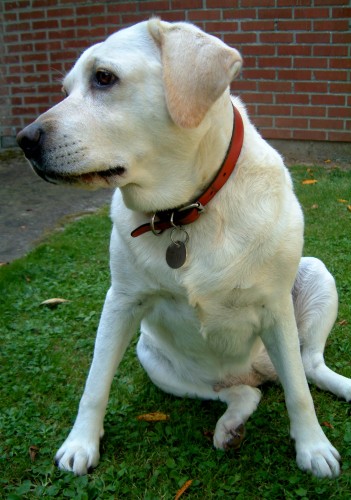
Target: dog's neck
{"x":182,"y":164}
{"x":188,"y":214}
{"x":214,"y":144}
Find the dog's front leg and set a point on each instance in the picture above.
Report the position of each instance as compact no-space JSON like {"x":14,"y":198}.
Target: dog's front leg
{"x":314,"y":452}
{"x":118,"y":323}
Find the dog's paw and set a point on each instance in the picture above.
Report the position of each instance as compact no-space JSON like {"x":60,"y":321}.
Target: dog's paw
{"x":78,"y":455}
{"x":321,"y":459}
{"x":229,"y":439}
{"x":229,"y":433}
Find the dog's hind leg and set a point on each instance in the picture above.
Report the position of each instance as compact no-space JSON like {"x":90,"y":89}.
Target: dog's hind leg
{"x":242,"y":400}
{"x":316,"y":303}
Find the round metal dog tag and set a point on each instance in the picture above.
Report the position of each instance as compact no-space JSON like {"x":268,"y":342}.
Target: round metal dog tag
{"x":176,"y":254}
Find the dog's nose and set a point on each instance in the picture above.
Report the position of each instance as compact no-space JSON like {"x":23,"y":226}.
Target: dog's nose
{"x":30,"y":139}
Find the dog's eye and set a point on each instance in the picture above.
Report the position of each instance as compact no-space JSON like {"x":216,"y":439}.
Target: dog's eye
{"x":105,"y":78}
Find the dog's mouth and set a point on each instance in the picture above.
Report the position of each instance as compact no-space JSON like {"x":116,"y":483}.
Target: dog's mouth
{"x":101,"y":178}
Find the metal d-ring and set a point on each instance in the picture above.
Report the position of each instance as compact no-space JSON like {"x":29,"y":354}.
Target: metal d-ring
{"x":152,"y":224}
{"x":177,"y":242}
{"x":172,"y":222}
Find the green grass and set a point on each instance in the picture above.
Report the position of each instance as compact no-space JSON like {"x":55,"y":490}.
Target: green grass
{"x":45,"y":355}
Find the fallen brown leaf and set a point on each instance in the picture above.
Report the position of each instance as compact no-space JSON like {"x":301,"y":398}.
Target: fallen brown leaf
{"x":182,"y":490}
{"x":327,"y":424}
{"x":340,"y":200}
{"x":33,"y":452}
{"x":315,"y":206}
{"x":309,"y":181}
{"x":343,"y":322}
{"x":153,"y":417}
{"x":53,"y":302}
{"x":349,"y":208}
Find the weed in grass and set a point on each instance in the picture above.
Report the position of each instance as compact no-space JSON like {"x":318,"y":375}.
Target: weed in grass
{"x":45,"y":355}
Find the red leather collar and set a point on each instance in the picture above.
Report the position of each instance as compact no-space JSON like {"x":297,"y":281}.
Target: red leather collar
{"x":182,"y":216}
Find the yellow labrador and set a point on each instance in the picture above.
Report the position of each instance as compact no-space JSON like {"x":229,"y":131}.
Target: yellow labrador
{"x":212,"y":270}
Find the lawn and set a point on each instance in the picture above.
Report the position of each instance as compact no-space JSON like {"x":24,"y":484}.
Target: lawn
{"x":45,"y":355}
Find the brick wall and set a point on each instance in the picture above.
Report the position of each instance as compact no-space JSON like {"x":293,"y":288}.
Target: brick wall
{"x":297,"y":56}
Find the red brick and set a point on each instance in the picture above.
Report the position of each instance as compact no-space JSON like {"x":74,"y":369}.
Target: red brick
{"x":134,"y":18}
{"x":276,"y":38}
{"x":62,"y":12}
{"x":34,"y":57}
{"x":330,"y":75}
{"x":263,"y":121}
{"x":264,"y":50}
{"x":239,"y":38}
{"x":267,"y":25}
{"x":293,"y":74}
{"x":313,"y":38}
{"x":19,"y":48}
{"x":46,"y":24}
{"x":222,"y":26}
{"x":296,"y":25}
{"x":292,"y":99}
{"x":339,"y":136}
{"x":259,"y":74}
{"x":122,"y":7}
{"x":340,"y":88}
{"x":341,"y":37}
{"x":310,"y":62}
{"x":244,"y":86}
{"x":155,"y":5}
{"x":32,"y":14}
{"x":340,"y":63}
{"x":291,"y":122}
{"x":293,"y":3}
{"x":309,"y":111}
{"x":274,"y":110}
{"x":335,"y":112}
{"x":311,"y":87}
{"x":203,"y":15}
{"x":341,"y":25}
{"x":258,"y":97}
{"x":90,"y":10}
{"x":238,"y":14}
{"x":257,"y":3}
{"x":311,"y":13}
{"x":187,"y":4}
{"x":326,"y":124}
{"x":274,"y":13}
{"x":331,"y":2}
{"x":274,"y":133}
{"x":17,"y":5}
{"x":221,"y":4}
{"x":341,"y":12}
{"x":274,"y":62}
{"x":69,"y":23}
{"x":328,"y":100}
{"x":20,"y":26}
{"x":13,"y":38}
{"x":312,"y":135}
{"x":294,"y":50}
{"x":275,"y":87}
{"x":48,"y":46}
{"x":330,"y":50}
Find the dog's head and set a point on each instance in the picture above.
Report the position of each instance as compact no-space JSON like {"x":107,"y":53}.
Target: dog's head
{"x":134,"y":108}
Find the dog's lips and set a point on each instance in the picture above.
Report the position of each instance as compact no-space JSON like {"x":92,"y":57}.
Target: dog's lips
{"x":107,"y":177}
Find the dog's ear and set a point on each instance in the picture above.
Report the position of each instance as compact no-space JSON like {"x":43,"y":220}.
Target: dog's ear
{"x":197,"y":68}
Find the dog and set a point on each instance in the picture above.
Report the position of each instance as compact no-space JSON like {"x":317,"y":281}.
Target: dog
{"x":207,"y":237}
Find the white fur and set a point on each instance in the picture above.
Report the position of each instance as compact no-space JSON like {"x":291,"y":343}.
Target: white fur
{"x":205,"y":327}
